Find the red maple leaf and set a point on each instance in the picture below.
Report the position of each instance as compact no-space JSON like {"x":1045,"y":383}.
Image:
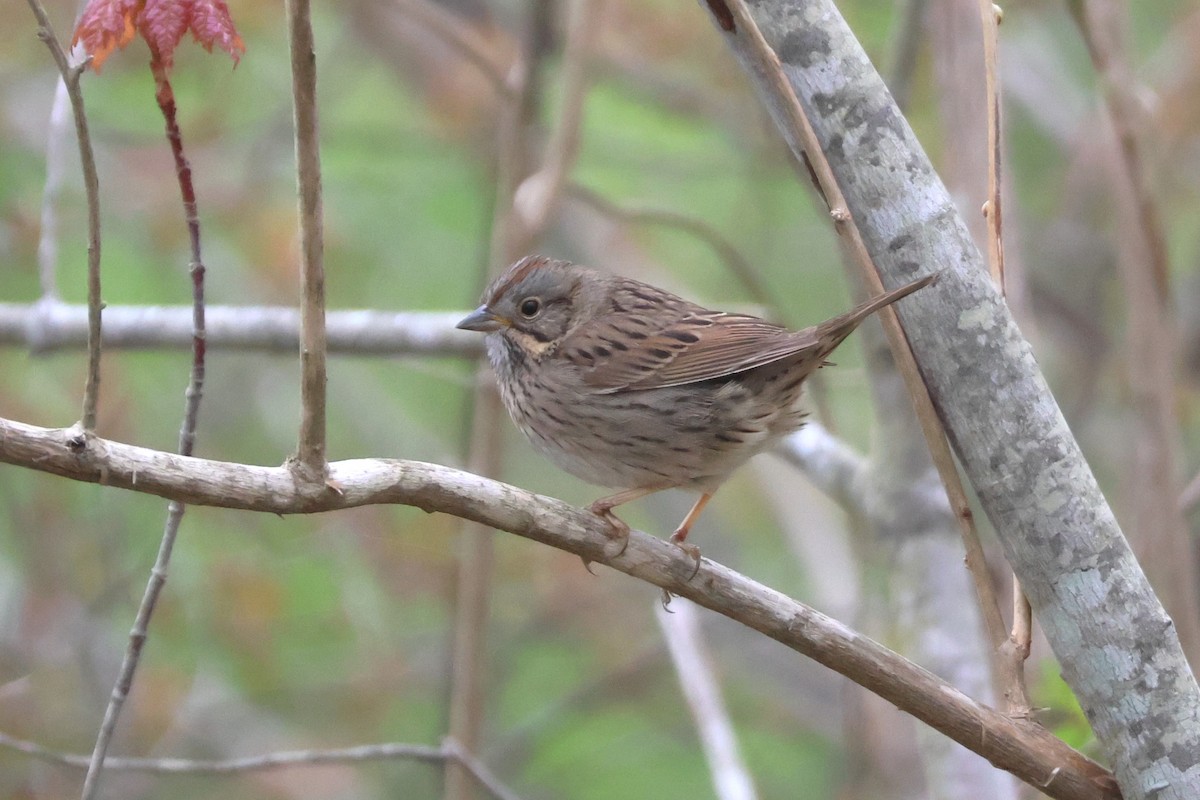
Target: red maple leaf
{"x":107,"y":25}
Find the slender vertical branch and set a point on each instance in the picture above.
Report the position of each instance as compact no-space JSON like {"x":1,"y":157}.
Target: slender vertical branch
{"x":476,"y":544}
{"x":476,"y":567}
{"x":693,"y":666}
{"x":187,"y":434}
{"x":1015,"y":648}
{"x":311,"y":452}
{"x":91,"y":184}
{"x":993,"y":209}
{"x":524,"y":205}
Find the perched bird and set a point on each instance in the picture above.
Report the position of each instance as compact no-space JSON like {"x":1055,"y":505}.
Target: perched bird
{"x":628,"y":386}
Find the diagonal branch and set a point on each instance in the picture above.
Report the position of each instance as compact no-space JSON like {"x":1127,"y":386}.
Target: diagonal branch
{"x":1025,"y":749}
{"x":693,"y":666}
{"x":165,"y":96}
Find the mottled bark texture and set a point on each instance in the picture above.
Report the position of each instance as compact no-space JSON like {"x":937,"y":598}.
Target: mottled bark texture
{"x":1119,"y":650}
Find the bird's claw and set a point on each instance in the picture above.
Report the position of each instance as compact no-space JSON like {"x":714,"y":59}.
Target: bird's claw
{"x":618,"y":533}
{"x":690,"y":549}
{"x":677,"y":539}
{"x":667,"y":597}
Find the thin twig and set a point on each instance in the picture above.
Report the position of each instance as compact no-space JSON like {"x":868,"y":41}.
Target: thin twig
{"x":91,"y":183}
{"x":484,"y":447}
{"x":473,"y":596}
{"x":801,"y":136}
{"x":1014,"y":650}
{"x":693,"y":666}
{"x":310,"y":454}
{"x":1108,"y":61}
{"x":1025,"y":749}
{"x":165,"y":96}
{"x":477,"y":769}
{"x":390,"y":751}
{"x":993,"y":209}
{"x":524,"y":205}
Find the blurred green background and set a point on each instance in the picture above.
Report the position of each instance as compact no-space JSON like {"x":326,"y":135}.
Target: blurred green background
{"x":279,"y":633}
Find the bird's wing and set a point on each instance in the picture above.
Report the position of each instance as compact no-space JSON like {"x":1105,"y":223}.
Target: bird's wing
{"x":620,"y":351}
{"x":652,"y":339}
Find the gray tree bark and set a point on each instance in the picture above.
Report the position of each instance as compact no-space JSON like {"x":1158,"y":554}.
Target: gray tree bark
{"x":1117,"y":646}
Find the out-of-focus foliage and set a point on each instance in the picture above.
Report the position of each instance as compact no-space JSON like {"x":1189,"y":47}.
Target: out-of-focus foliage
{"x":335,"y":630}
{"x":107,"y":25}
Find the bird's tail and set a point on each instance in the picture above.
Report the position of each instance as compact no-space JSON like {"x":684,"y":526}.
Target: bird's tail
{"x":832,"y":332}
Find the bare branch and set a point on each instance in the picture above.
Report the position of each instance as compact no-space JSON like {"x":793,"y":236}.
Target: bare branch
{"x":829,"y":463}
{"x":484,"y":448}
{"x":230,"y":766}
{"x":1011,"y":651}
{"x":993,"y":208}
{"x":473,"y":593}
{"x":91,"y":183}
{"x":48,"y":326}
{"x":165,"y":96}
{"x":311,"y":452}
{"x":681,"y":628}
{"x":477,"y":770}
{"x":1023,"y":748}
{"x":390,"y":751}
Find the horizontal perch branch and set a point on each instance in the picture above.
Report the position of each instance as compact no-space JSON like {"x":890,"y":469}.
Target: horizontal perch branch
{"x":1021,"y":747}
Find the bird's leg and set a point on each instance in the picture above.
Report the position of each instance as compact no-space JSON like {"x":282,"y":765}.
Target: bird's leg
{"x":680,"y":534}
{"x":678,"y":537}
{"x":619,"y":532}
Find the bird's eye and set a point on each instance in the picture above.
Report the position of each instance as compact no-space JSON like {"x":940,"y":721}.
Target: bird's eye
{"x":530,"y":307}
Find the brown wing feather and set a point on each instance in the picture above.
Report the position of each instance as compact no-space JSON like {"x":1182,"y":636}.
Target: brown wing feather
{"x":653,"y":339}
{"x":723,"y":345}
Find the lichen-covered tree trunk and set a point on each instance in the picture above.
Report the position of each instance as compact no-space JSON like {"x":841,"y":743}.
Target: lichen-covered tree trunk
{"x":1118,"y":649}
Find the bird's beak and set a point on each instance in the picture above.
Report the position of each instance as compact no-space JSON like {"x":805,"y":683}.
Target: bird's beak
{"x":481,"y":319}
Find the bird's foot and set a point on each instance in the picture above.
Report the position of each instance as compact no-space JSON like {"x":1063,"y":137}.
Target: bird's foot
{"x":618,"y":533}
{"x":677,"y":539}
